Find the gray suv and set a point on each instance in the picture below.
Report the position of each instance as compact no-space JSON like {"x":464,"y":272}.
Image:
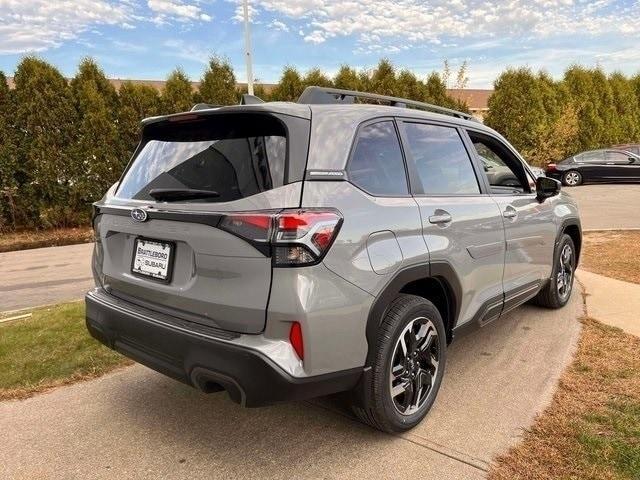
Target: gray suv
{"x":281,"y":251}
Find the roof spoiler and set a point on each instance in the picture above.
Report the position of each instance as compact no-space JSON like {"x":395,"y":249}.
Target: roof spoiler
{"x":327,"y":95}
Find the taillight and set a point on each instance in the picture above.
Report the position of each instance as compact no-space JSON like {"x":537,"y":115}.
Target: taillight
{"x":251,"y":226}
{"x":551,"y":167}
{"x":297,"y":237}
{"x":303,"y":237}
{"x":295,"y":338}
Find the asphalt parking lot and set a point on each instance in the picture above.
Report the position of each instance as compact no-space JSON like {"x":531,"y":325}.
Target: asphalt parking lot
{"x":607,"y":206}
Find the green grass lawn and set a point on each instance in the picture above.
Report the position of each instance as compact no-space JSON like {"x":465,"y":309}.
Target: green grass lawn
{"x":49,"y":349}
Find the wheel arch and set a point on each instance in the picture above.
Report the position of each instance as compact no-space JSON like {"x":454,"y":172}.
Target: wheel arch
{"x":572,"y":227}
{"x":436,"y":282}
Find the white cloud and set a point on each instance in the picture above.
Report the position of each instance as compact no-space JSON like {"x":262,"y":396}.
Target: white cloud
{"x":177,"y":10}
{"x":187,"y":51}
{"x":317,"y":36}
{"x":401,"y":23}
{"x":278,"y":25}
{"x":238,"y":15}
{"x":37,"y":25}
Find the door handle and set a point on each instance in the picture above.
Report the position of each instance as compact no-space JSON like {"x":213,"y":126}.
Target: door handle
{"x":440,"y":217}
{"x":510,"y":212}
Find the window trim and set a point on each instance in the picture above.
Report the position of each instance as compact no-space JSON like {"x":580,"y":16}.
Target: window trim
{"x":509,"y":148}
{"x":354,"y":144}
{"x":416,"y":183}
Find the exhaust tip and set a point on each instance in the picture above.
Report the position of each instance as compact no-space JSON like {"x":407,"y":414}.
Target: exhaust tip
{"x":208,"y":381}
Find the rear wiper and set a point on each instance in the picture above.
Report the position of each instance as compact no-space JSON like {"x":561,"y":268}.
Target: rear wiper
{"x":174,"y":194}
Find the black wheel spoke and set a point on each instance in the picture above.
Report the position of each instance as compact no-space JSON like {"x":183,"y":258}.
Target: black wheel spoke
{"x":427,"y":345}
{"x":426,"y":379}
{"x":408,"y":396}
{"x":413,"y":342}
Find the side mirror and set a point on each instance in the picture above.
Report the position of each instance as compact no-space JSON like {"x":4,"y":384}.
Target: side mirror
{"x":547,"y":187}
{"x":632,"y":160}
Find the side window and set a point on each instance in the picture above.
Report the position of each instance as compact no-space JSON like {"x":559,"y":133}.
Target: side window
{"x":377,"y":166}
{"x":618,"y":157}
{"x":442,"y":161}
{"x":504,"y":171}
{"x":592,"y":157}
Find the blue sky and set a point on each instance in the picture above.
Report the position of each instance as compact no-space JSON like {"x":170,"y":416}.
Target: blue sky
{"x":146,"y":39}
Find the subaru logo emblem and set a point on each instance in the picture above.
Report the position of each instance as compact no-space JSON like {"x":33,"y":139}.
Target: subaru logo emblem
{"x":138,"y":215}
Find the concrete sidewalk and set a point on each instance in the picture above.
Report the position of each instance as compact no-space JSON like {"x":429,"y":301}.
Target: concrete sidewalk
{"x":612,"y":301}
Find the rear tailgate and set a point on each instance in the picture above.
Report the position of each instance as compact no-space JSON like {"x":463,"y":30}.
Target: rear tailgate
{"x":178,"y":257}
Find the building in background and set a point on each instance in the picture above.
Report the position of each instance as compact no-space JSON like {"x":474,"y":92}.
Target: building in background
{"x":476,"y":99}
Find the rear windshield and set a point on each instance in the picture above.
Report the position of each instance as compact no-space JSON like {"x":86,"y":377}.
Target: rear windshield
{"x":234,"y":155}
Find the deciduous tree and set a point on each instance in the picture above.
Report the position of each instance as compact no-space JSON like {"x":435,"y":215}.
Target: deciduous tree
{"x":177,"y":95}
{"x":289,"y":87}
{"x":383,"y":79}
{"x":218,"y":85}
{"x":626,"y":127}
{"x":347,"y":78}
{"x":97,"y":154}
{"x":46,"y":121}
{"x":136,"y":103}
{"x":315,"y":77}
{"x":9,"y":216}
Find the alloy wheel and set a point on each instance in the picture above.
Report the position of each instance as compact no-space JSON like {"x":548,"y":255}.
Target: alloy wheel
{"x":572,"y":178}
{"x":414,"y":365}
{"x":564,"y":277}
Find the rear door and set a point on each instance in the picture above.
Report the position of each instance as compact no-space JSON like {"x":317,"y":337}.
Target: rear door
{"x":205,"y":259}
{"x":592,"y":165}
{"x":462,"y":225}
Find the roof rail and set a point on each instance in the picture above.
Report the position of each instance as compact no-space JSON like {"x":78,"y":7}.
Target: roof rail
{"x":328,"y":95}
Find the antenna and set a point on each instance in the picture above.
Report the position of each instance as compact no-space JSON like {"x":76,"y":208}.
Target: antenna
{"x":247,"y":47}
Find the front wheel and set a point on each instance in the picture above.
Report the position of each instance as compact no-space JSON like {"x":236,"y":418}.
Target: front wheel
{"x":407,"y":368}
{"x":558,"y":290}
{"x":572,"y":178}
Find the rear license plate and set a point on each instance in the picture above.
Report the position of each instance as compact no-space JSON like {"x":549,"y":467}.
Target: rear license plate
{"x":152,"y":258}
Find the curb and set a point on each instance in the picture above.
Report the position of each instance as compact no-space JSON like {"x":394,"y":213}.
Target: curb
{"x":628,"y":229}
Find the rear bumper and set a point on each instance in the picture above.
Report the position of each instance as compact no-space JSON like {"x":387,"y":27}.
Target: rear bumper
{"x":202,"y":357}
{"x":556,"y":175}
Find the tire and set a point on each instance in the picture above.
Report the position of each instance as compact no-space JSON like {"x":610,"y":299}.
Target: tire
{"x":572,"y":178}
{"x":552,"y":296}
{"x":382,"y":410}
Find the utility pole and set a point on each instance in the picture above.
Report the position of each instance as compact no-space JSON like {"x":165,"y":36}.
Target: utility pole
{"x":247,"y":47}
